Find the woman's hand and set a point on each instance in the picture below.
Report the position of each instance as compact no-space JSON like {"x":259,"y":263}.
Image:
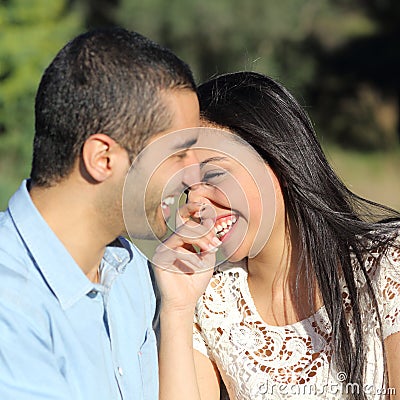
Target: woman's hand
{"x":184,"y":263}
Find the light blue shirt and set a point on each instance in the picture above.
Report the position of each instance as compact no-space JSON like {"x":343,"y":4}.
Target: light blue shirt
{"x":62,"y":336}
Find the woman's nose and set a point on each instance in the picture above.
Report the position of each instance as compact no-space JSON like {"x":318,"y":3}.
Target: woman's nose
{"x":197,"y":193}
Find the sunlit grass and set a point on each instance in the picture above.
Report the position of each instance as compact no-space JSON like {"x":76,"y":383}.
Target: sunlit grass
{"x":375,"y":175}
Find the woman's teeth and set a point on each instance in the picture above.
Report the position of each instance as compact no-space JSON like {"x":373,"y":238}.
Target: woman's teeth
{"x":224,"y":226}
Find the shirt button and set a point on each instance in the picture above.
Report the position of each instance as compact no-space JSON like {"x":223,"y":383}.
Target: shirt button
{"x":120,"y":371}
{"x":92,"y":294}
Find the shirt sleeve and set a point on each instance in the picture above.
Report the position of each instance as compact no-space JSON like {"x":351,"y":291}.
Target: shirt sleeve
{"x":390,"y":289}
{"x":28,"y":368}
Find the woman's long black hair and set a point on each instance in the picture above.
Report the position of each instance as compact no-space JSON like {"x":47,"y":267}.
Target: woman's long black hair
{"x":331,"y":221}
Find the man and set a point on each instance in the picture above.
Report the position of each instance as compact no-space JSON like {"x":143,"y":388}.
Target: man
{"x":76,"y":302}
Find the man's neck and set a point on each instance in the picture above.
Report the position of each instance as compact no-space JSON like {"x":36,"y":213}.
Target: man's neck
{"x":69,"y":212}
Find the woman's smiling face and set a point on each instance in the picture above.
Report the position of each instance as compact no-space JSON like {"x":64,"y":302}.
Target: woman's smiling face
{"x":237,"y":183}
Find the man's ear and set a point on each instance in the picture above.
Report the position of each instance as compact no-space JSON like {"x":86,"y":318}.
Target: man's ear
{"x":98,"y":155}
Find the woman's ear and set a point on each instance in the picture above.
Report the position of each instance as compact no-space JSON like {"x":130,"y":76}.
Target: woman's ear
{"x":98,"y":153}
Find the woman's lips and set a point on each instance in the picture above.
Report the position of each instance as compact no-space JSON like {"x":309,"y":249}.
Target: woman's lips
{"x":224,"y":224}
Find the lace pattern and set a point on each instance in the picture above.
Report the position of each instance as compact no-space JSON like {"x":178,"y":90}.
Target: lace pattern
{"x":255,"y":358}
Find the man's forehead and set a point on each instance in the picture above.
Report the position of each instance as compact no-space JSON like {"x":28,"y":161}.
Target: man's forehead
{"x":175,"y":141}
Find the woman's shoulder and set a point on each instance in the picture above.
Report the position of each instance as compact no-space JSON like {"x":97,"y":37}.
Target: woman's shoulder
{"x":389,"y":267}
{"x":380,"y":250}
{"x":392,"y":254}
{"x":382,"y":265}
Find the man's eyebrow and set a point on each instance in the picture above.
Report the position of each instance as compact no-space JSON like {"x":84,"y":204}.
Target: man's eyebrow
{"x":212,"y":159}
{"x":185,"y":145}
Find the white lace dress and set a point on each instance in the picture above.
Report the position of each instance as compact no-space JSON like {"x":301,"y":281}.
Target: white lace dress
{"x":258,"y":361}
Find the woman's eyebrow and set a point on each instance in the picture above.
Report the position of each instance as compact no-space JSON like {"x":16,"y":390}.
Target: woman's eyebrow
{"x":211,"y":159}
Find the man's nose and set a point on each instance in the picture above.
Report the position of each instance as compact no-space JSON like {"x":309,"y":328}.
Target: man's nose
{"x":191,"y":173}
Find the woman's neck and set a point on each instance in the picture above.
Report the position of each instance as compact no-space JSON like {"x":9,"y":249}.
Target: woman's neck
{"x":274,"y":262}
{"x":280,"y":293}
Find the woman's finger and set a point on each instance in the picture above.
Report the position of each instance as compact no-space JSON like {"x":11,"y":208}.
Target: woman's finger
{"x":195,"y":234}
{"x":180,"y":258}
{"x":195,"y":211}
{"x":186,"y":211}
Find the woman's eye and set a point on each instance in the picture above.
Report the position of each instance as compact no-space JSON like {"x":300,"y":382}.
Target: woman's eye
{"x":208,"y":176}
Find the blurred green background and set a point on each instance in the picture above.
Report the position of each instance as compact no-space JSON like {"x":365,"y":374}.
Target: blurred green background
{"x":341,"y":58}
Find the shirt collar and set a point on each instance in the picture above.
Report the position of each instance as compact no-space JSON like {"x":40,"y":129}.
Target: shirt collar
{"x":57,"y":267}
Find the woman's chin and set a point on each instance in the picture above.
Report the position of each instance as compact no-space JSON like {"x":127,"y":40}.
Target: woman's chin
{"x":235,"y":258}
{"x":233,"y":253}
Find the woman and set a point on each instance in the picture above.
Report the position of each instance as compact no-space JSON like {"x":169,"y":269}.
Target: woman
{"x":314,"y":313}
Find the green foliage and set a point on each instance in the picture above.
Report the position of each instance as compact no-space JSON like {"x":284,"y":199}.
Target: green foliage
{"x":317,"y":48}
{"x":225,"y":35}
{"x":31,"y":34}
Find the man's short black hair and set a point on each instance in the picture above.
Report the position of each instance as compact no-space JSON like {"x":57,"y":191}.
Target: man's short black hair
{"x":107,"y":81}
